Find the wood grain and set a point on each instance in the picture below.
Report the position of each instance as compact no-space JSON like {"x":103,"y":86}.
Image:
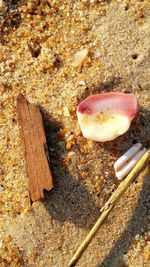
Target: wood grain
{"x":33,"y":140}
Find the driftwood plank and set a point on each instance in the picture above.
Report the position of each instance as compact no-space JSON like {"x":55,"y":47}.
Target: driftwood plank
{"x":33,"y":140}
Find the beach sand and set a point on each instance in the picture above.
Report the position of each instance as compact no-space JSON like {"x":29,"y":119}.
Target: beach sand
{"x":38,"y":42}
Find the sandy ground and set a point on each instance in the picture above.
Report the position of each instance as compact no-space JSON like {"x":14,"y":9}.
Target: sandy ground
{"x":37,"y":45}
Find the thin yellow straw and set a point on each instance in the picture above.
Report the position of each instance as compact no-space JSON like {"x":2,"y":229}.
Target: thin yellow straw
{"x":109,"y":206}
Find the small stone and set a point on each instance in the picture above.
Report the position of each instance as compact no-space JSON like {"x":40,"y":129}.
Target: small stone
{"x":69,"y":145}
{"x":71,"y":154}
{"x":59,"y":112}
{"x":1,"y":3}
{"x":1,"y":56}
{"x":61,"y":132}
{"x":66,"y":112}
{"x":82,"y":83}
{"x":147,"y":255}
{"x":137,"y":237}
{"x":70,"y":137}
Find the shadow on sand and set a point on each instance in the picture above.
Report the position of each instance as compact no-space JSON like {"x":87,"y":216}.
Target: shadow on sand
{"x":69,"y":200}
{"x":139,"y":224}
{"x":139,"y":132}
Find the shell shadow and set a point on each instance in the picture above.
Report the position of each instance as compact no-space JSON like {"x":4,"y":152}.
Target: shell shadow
{"x":107,"y":86}
{"x":138,"y":133}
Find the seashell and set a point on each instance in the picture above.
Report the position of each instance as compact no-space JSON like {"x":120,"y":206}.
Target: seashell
{"x":128,"y":160}
{"x":104,"y":117}
{"x":79,"y":57}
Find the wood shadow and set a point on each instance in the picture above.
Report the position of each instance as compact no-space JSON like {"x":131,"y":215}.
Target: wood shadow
{"x":69,"y":200}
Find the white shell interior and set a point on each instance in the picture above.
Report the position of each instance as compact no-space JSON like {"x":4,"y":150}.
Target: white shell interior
{"x":104,"y":128}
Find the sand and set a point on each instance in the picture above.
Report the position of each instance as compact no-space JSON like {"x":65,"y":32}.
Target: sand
{"x":38,"y":42}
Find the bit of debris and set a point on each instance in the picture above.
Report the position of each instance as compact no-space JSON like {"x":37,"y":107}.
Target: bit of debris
{"x":69,"y":145}
{"x":80,"y":57}
{"x":66,"y":112}
{"x":82,"y":83}
{"x":1,"y":56}
{"x":62,"y":132}
{"x":1,"y":3}
{"x":70,"y":137}
{"x":71,"y":154}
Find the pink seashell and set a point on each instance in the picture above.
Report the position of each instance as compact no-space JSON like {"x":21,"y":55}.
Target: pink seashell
{"x":103,"y":117}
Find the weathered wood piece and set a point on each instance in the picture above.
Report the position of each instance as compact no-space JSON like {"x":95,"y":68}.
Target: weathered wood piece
{"x":33,"y":140}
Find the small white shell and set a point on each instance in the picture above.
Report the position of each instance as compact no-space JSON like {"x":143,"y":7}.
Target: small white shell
{"x":128,"y":160}
{"x":79,"y":57}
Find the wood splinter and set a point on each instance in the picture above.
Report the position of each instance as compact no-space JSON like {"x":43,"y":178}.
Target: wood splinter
{"x":33,"y":140}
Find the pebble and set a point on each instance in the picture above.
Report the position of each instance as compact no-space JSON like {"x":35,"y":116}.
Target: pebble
{"x":79,"y":57}
{"x":71,"y":154}
{"x":82,"y":83}
{"x":70,"y":138}
{"x":66,"y":112}
{"x":69,"y":145}
{"x":1,"y":244}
